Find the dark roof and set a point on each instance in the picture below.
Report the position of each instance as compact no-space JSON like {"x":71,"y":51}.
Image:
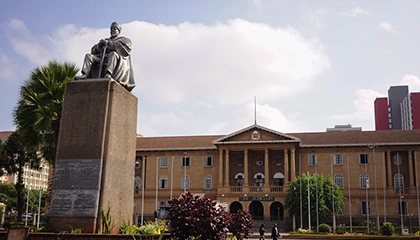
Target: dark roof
{"x":176,"y":143}
{"x":385,"y":137}
{"x":310,"y":139}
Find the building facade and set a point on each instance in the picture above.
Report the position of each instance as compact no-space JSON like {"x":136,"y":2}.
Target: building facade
{"x":401,"y":110}
{"x":250,"y":169}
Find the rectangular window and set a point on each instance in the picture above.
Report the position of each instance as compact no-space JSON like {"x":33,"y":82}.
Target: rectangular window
{"x":365,"y":208}
{"x":163,"y":162}
{"x":364,"y":158}
{"x":186,"y":161}
{"x":208,"y":161}
{"x":312,"y":159}
{"x":402,"y":208}
{"x":338,"y":159}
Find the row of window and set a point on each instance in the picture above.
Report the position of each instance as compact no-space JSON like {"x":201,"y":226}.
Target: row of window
{"x":364,"y":180}
{"x":402,"y":207}
{"x":185,"y":162}
{"x":259,"y":160}
{"x":338,"y":159}
{"x":185,"y":182}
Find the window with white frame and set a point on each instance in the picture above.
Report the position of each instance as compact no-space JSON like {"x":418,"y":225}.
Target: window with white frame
{"x":364,"y":158}
{"x":163,"y":182}
{"x":365,"y":208}
{"x":278,"y":179}
{"x":398,"y":181}
{"x":164,"y":162}
{"x":278,"y":160}
{"x":207,"y":182}
{"x":185,"y":182}
{"x":259,"y":179}
{"x":339,"y":180}
{"x":239,"y":179}
{"x":259,"y":160}
{"x":240,"y":160}
{"x":402,"y":208}
{"x":364,"y":180}
{"x":338,"y":159}
{"x":208,"y":161}
{"x":186,"y":161}
{"x":312,"y":159}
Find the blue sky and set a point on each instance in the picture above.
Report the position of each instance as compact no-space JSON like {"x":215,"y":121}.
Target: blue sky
{"x":199,"y":64}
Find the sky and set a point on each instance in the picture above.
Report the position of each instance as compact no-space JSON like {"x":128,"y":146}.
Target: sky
{"x":215,"y":67}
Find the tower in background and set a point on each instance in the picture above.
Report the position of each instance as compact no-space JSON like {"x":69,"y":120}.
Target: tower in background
{"x":401,"y":110}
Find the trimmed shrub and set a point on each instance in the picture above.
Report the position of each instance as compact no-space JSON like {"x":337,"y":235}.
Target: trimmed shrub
{"x":325,"y":228}
{"x":387,"y":229}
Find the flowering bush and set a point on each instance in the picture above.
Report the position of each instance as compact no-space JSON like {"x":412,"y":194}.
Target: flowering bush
{"x":240,"y":224}
{"x":198,"y":217}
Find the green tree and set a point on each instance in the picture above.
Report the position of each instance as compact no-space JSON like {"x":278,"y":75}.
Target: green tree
{"x":8,"y":195}
{"x":38,"y":113}
{"x":330,"y":196}
{"x":16,"y":158}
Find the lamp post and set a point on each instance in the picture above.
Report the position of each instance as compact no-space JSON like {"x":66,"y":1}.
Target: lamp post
{"x":401,"y":188}
{"x":373,"y":146}
{"x":39,"y":200}
{"x":27,"y":197}
{"x":411,"y":228}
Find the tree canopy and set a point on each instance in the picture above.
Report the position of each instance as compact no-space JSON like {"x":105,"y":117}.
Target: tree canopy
{"x":38,"y":113}
{"x":322,"y":192}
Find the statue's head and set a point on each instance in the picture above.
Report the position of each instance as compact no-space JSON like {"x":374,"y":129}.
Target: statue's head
{"x":115,"y":29}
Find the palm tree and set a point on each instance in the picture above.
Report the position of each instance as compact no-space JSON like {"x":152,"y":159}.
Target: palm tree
{"x":38,"y":113}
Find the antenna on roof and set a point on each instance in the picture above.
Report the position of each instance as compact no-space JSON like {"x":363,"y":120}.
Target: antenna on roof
{"x":255,"y":110}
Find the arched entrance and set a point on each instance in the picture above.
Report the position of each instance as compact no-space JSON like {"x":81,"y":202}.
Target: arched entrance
{"x":235,"y":206}
{"x":276,"y":211}
{"x":257,"y":210}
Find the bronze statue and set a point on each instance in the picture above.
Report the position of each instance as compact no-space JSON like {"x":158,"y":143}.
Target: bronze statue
{"x":110,"y":58}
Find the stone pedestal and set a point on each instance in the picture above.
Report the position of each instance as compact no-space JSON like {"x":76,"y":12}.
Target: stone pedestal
{"x":95,"y":159}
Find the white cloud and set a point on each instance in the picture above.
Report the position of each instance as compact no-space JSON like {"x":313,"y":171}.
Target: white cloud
{"x":266,"y":116}
{"x":412,"y":81}
{"x":387,"y":27}
{"x":7,"y":68}
{"x":195,"y":62}
{"x":354,"y":12}
{"x":363,"y":106}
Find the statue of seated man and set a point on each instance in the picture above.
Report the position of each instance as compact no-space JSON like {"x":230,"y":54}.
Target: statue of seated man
{"x":112,"y":56}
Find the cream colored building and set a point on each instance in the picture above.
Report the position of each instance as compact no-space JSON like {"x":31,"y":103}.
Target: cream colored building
{"x":250,"y":170}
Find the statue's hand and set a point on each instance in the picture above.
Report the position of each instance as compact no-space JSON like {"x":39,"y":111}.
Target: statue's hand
{"x":103,"y":43}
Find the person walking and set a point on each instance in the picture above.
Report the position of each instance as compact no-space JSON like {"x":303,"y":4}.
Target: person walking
{"x":275,"y":232}
{"x":262,"y":231}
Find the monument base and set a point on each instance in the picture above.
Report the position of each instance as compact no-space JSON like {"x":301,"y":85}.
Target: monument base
{"x":95,"y":161}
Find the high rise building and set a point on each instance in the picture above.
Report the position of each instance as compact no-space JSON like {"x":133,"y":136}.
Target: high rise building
{"x":381,"y":114}
{"x":401,"y":110}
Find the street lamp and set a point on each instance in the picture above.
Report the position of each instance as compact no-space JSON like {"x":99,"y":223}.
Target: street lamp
{"x":39,"y":200}
{"x":27,"y":197}
{"x":411,"y":229}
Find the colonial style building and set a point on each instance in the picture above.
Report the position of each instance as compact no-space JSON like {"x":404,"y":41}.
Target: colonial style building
{"x":250,"y":169}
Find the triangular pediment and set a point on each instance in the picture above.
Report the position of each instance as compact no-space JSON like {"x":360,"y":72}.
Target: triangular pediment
{"x":256,"y":134}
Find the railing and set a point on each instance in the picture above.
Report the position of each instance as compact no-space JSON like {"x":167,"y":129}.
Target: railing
{"x":276,"y":189}
{"x":255,"y":189}
{"x":236,"y":189}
